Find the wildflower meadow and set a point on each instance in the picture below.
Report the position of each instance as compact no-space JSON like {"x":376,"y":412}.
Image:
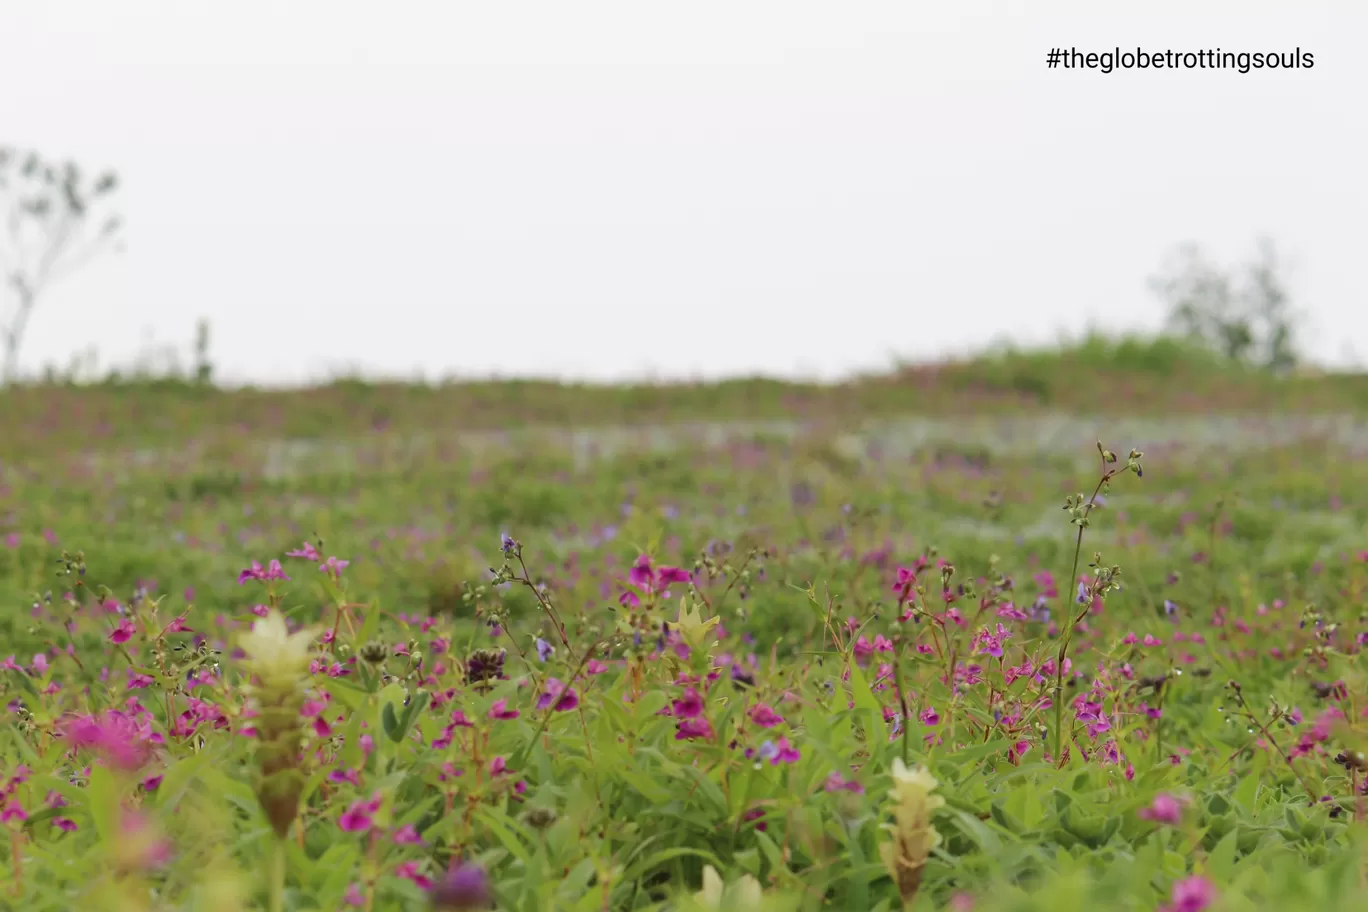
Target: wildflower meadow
{"x":1016,"y":635}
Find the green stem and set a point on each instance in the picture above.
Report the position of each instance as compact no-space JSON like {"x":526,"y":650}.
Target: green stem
{"x":1073,"y":622}
{"x":277,"y":898}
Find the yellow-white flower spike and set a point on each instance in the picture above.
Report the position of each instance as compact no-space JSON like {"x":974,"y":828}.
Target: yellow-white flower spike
{"x":275,"y":653}
{"x":913,"y":836}
{"x":745,"y":893}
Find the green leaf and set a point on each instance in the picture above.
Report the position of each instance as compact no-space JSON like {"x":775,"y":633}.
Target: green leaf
{"x":103,"y":792}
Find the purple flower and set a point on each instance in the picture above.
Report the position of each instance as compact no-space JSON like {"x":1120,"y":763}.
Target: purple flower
{"x":465,"y":888}
{"x":558,"y":697}
{"x":544,"y":649}
{"x":783,"y":752}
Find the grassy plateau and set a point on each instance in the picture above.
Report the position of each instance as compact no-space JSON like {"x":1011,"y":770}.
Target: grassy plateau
{"x":1078,"y":630}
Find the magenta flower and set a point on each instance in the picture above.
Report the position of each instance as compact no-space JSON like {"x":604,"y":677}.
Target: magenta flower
{"x":1192,"y":894}
{"x":688,"y":729}
{"x":991,"y":642}
{"x":333,"y":567}
{"x":40,"y":663}
{"x":122,"y":633}
{"x":765,"y":717}
{"x":689,"y":705}
{"x":112,"y":736}
{"x":1165,"y":809}
{"x":348,"y":775}
{"x":641,"y":574}
{"x":500,"y":710}
{"x":272,"y":571}
{"x":929,"y":716}
{"x":358,"y":817}
{"x":558,"y":696}
{"x":906,"y":578}
{"x":667,"y":575}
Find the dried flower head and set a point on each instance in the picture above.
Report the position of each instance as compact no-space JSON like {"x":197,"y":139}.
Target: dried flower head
{"x":484,"y":666}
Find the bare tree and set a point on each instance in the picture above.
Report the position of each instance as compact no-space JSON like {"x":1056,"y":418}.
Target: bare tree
{"x":1251,"y":322}
{"x":55,"y":221}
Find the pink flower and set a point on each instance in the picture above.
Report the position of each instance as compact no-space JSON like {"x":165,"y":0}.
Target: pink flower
{"x":306,"y":551}
{"x":122,"y":633}
{"x":407,"y":835}
{"x":837,"y":783}
{"x":1192,"y":894}
{"x":595,"y":667}
{"x":40,"y":663}
{"x":409,"y":869}
{"x":1165,"y":810}
{"x":765,"y":717}
{"x":929,"y":716}
{"x":333,"y":567}
{"x":500,"y":710}
{"x":906,"y":578}
{"x":140,"y":844}
{"x":112,"y":736}
{"x":357,"y":818}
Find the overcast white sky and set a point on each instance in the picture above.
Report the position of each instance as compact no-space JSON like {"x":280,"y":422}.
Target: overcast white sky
{"x":601,"y":190}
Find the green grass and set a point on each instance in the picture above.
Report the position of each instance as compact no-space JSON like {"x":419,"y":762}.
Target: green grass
{"x":122,"y":508}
